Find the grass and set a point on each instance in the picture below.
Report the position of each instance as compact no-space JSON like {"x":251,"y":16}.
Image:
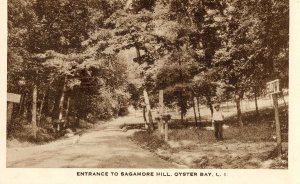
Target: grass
{"x":149,"y":140}
{"x":250,"y":146}
{"x":255,"y":129}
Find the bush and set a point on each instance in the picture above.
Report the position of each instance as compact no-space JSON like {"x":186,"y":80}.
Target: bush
{"x":123,"y":111}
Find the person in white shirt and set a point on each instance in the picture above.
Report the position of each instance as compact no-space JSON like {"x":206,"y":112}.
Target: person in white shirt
{"x":217,"y":120}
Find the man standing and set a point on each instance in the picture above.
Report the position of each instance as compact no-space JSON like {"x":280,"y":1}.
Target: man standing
{"x":217,"y":120}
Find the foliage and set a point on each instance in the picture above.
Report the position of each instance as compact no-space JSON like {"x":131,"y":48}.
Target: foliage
{"x":76,"y":52}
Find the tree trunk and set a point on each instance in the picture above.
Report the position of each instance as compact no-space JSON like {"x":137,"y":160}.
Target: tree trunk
{"x":67,"y":106}
{"x":28,"y":109}
{"x":22,"y":102}
{"x":61,"y":123}
{"x":194,"y":108}
{"x":45,"y":109}
{"x":138,"y":54}
{"x":58,"y":106}
{"x":210,"y":105}
{"x":182,"y":104}
{"x":148,"y":111}
{"x":161,"y":111}
{"x":57,"y":103}
{"x":181,"y":116}
{"x":238,"y":107}
{"x":55,"y":110}
{"x":198,"y":107}
{"x":41,"y":109}
{"x":144,"y":114}
{"x":61,"y":103}
{"x":255,"y":99}
{"x":33,"y":120}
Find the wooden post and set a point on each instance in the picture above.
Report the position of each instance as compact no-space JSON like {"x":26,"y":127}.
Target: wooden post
{"x":21,"y":104}
{"x":166,"y":119}
{"x":277,"y":124}
{"x":11,"y":98}
{"x":166,"y":130}
{"x":34,"y":100}
{"x":10,"y":107}
{"x":161,"y":105}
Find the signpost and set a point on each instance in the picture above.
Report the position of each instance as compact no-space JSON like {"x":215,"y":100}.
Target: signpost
{"x":11,"y":99}
{"x":15,"y":98}
{"x":273,"y":89}
{"x":164,"y":119}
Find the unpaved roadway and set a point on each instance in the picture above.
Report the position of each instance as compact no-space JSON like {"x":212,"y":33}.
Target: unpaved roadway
{"x":106,"y":146}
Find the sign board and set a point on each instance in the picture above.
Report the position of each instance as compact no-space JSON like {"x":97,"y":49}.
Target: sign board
{"x":12,"y":97}
{"x":273,"y":87}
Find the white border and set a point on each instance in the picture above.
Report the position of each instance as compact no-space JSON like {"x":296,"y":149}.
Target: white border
{"x":240,"y":176}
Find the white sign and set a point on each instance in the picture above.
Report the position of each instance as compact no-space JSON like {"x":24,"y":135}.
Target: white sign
{"x":12,"y":97}
{"x":273,"y":87}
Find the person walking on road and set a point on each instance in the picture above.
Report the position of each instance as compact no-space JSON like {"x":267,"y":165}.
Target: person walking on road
{"x":217,"y":120}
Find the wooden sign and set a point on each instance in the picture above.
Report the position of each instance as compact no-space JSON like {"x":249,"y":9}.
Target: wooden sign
{"x":273,"y":87}
{"x":12,"y":97}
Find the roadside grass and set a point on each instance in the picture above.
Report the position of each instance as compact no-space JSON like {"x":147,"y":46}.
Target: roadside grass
{"x":149,"y":140}
{"x":20,"y":133}
{"x":250,"y":146}
{"x":255,"y":129}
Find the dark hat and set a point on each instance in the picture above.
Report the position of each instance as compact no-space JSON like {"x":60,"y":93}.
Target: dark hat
{"x":217,"y":105}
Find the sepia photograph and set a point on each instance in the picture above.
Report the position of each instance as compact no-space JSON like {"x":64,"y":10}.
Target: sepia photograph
{"x":157,"y":84}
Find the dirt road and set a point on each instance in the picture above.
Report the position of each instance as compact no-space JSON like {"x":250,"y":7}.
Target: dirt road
{"x":106,"y":146}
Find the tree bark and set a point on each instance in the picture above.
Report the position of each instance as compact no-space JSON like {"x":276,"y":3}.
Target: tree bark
{"x":57,"y":103}
{"x":58,"y":106}
{"x":182,"y":104}
{"x":255,"y":99}
{"x":239,"y":111}
{"x":67,"y":106}
{"x":61,"y":103}
{"x":55,"y":110}
{"x":33,"y":120}
{"x":194,"y":108}
{"x":161,"y":111}
{"x":181,"y":116}
{"x":61,"y":107}
{"x":28,"y":109}
{"x":22,"y":102}
{"x":144,"y":114}
{"x":148,"y":110}
{"x":45,"y":109}
{"x":41,"y":109}
{"x":198,"y":107}
{"x":210,"y":105}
